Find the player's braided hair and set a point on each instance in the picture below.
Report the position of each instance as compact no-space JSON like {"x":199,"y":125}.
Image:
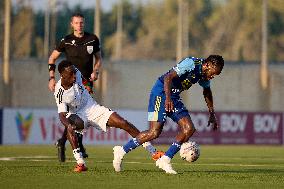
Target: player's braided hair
{"x":217,"y":61}
{"x":63,"y":64}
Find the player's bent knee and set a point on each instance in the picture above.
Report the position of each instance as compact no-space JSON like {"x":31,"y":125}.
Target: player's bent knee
{"x":188,"y":130}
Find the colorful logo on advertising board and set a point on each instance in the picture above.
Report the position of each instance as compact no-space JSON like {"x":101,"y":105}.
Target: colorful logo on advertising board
{"x":24,"y":125}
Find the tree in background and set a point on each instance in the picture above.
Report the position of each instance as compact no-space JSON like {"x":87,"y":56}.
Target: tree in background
{"x":276,"y":30}
{"x":22,"y":30}
{"x":37,"y":45}
{"x":131,"y":22}
{"x":199,"y":12}
{"x":235,"y":30}
{"x":1,"y":27}
{"x":156,"y":35}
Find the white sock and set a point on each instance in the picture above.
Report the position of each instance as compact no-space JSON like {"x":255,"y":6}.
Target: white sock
{"x":148,"y":146}
{"x":78,"y":156}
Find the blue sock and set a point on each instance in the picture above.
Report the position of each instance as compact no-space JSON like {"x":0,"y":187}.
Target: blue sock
{"x":131,"y":145}
{"x":174,"y":148}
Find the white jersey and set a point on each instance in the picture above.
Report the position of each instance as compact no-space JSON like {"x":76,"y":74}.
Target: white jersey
{"x":77,"y":100}
{"x":73,"y":99}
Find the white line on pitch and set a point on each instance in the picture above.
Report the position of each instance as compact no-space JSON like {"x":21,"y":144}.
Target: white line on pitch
{"x":51,"y":158}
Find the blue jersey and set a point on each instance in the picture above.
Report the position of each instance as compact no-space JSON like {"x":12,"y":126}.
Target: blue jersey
{"x":189,"y":72}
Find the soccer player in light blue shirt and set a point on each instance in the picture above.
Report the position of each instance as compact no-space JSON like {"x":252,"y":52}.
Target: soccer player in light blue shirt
{"x":165,"y":102}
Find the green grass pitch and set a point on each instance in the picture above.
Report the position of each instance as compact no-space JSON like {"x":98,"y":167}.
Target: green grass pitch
{"x":36,"y":166}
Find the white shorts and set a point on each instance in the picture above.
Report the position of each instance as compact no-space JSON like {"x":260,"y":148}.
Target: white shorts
{"x":94,"y":116}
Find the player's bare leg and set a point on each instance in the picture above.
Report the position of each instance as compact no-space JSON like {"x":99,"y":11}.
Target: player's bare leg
{"x":187,"y":129}
{"x":153,"y":132}
{"x":79,"y":122}
{"x":76,"y":151}
{"x":81,"y":146}
{"x":60,"y":144}
{"x":76,"y":124}
{"x":72,"y":138}
{"x":145,"y":136}
{"x":117,"y":121}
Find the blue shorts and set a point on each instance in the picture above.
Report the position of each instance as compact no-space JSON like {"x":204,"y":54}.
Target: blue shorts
{"x":156,"y":107}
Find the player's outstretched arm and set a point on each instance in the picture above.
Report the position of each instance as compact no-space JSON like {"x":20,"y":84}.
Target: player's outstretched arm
{"x":207,"y":93}
{"x":97,"y":66}
{"x":51,"y":68}
{"x":169,"y":105}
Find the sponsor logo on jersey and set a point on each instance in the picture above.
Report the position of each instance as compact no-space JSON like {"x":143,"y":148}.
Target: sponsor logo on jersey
{"x":90,"y":49}
{"x":73,"y":42}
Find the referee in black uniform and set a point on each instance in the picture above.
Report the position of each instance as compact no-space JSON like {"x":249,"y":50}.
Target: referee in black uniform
{"x":79,"y":48}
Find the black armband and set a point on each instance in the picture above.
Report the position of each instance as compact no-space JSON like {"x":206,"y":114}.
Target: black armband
{"x":50,"y":78}
{"x":51,"y":67}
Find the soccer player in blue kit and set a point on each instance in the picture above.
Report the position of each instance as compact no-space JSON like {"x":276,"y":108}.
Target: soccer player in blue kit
{"x":165,"y":102}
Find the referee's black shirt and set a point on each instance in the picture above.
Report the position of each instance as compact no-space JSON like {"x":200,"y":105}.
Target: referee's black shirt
{"x":80,"y":51}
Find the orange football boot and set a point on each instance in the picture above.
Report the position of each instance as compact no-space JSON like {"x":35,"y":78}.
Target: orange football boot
{"x":157,"y":155}
{"x":80,"y":167}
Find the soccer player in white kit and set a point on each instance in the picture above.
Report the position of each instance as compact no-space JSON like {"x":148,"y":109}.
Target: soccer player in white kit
{"x":78,"y":111}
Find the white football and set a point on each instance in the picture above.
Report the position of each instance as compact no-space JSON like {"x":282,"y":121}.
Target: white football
{"x":189,"y":151}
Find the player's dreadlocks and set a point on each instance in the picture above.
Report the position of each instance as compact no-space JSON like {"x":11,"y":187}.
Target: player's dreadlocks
{"x":217,"y":61}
